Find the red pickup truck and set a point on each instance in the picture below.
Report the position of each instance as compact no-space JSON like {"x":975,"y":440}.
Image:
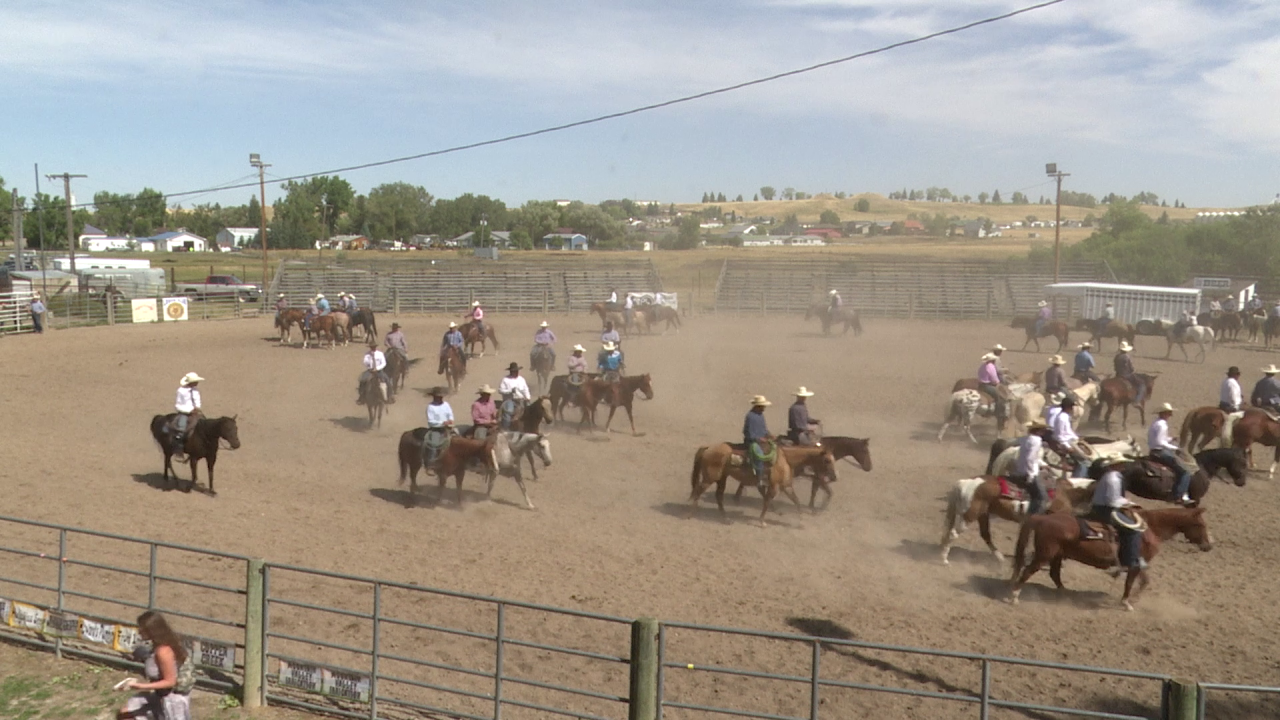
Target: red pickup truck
{"x":220,"y":285}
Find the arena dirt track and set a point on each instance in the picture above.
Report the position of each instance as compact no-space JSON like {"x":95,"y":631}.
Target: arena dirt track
{"x":310,"y":486}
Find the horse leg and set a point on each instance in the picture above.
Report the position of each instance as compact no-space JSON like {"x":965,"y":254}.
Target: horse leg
{"x":769,"y":493}
{"x":1134,"y":574}
{"x":791,"y":493}
{"x":195,"y":466}
{"x":984,"y":528}
{"x":943,"y":431}
{"x":457,"y":482}
{"x":1276,"y":460}
{"x":209,"y":461}
{"x":1055,"y":572}
{"x":523,"y":490}
{"x":612,"y":409}
{"x":630,"y":418}
{"x":533,"y":468}
{"x":1032,"y":568}
{"x":737,"y":497}
{"x":720,"y":485}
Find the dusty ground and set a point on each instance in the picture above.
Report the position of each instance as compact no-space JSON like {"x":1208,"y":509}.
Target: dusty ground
{"x":310,"y":486}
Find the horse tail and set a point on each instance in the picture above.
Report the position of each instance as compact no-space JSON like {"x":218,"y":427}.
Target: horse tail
{"x":1020,"y":550}
{"x":697,"y":470}
{"x":949,"y":409}
{"x":492,"y":336}
{"x":1185,"y":432}
{"x":959,"y":500}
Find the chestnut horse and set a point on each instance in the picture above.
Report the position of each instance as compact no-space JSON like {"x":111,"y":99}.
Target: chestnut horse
{"x":1055,"y":329}
{"x":607,"y":315}
{"x":977,"y":499}
{"x":203,"y":436}
{"x":1257,"y":427}
{"x":453,"y":461}
{"x":841,"y":448}
{"x":288,"y":318}
{"x":397,"y":368}
{"x":1118,"y":392}
{"x":470,"y":336}
{"x":715,"y":464}
{"x":1057,"y":538}
{"x":331,"y":325}
{"x":620,"y":394}
{"x":1114,"y":329}
{"x":455,"y":370}
{"x":1203,"y":425}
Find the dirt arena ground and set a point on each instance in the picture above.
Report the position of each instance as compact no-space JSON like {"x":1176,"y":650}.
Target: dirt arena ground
{"x":311,"y":486}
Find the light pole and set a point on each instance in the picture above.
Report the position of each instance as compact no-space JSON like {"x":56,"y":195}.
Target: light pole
{"x":71,"y":231}
{"x":1051,"y":169}
{"x":256,"y":161}
{"x":484,"y":227}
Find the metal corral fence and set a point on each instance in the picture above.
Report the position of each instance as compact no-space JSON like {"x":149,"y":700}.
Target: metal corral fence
{"x":15,"y":313}
{"x":450,"y":284}
{"x":82,"y":309}
{"x":361,"y":647}
{"x":912,"y":289}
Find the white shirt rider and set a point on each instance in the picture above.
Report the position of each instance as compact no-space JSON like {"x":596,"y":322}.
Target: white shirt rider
{"x":439,"y":416}
{"x":375,"y":360}
{"x":1158,"y":436}
{"x":188,"y":400}
{"x":1109,"y":492}
{"x":516,"y":387}
{"x":627,"y":305}
{"x":1060,"y":423}
{"x":613,"y":297}
{"x":1030,"y":455}
{"x":1231,"y":393}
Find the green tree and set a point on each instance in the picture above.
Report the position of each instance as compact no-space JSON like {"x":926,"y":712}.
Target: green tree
{"x":863,"y":205}
{"x":398,"y":211}
{"x":688,"y":234}
{"x":1018,"y":198}
{"x":451,"y":218}
{"x":788,"y":193}
{"x":995,"y":198}
{"x":983,"y":197}
{"x":767,"y":192}
{"x":828,"y":217}
{"x":536,"y":218}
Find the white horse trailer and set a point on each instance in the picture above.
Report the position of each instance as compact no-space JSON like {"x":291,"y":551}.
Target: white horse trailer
{"x":1149,"y":308}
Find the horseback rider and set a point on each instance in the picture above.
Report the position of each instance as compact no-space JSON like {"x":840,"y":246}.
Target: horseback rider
{"x":628,"y":310}
{"x":1082,"y":368}
{"x":351,"y":306}
{"x":1215,"y":307}
{"x":1180,"y":328}
{"x":1266,"y":394}
{"x":515,"y":395}
{"x":834,"y":301}
{"x":1124,"y":369}
{"x":998,"y":351}
{"x":439,"y":425}
{"x":1162,"y":449}
{"x":755,"y":434}
{"x":1109,"y":507}
{"x":396,"y":342}
{"x":319,"y":307}
{"x":188,"y":405}
{"x":1055,"y":381}
{"x":802,"y":429}
{"x":543,"y":342}
{"x":1064,"y":439}
{"x":989,"y":381}
{"x":1043,"y":316}
{"x":484,"y":413}
{"x":375,"y":364}
{"x":282,"y":304}
{"x":476,"y":317}
{"x":1026,"y":468}
{"x":452,"y":339}
{"x":1229,"y":304}
{"x":1230,"y":396}
{"x":1108,"y":315}
{"x":612,"y":302}
{"x":610,"y":334}
{"x":577,"y":367}
{"x":609,"y":363}
{"x":1254,"y":304}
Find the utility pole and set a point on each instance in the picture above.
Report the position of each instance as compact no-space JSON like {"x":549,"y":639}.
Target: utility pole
{"x":44,"y":267}
{"x":1051,"y":169}
{"x":256,"y":161}
{"x":17,"y":233}
{"x":71,"y":231}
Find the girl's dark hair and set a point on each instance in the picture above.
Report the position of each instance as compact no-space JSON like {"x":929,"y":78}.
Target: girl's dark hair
{"x":159,"y":633}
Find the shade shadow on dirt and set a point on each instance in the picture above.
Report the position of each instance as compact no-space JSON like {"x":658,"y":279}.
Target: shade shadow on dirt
{"x":997,"y":588}
{"x":931,"y":553}
{"x":353,"y":423}
{"x":428,"y":497}
{"x":732,"y":514}
{"x":155,"y":481}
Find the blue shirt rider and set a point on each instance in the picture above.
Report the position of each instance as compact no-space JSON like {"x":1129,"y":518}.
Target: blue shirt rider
{"x":319,"y":308}
{"x":609,"y":360}
{"x":1082,"y":368}
{"x":755,"y":434}
{"x":452,"y":339}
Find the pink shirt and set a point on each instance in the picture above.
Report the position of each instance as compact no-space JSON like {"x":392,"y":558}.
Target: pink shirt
{"x":484,"y":413}
{"x":477,"y":313}
{"x":988,"y":374}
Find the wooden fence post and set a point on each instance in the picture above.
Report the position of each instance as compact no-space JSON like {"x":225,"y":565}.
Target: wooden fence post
{"x":255,"y":661}
{"x":911,"y":306}
{"x":1182,"y":699}
{"x":644,"y":670}
{"x":546,"y":298}
{"x":111,"y":309}
{"x":990,"y":298}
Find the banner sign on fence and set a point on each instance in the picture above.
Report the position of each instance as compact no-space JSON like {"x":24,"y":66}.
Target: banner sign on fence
{"x":655,"y":298}
{"x":303,"y":677}
{"x":125,"y":638}
{"x":214,"y":654}
{"x":144,"y":310}
{"x":97,"y":632}
{"x":27,"y":616}
{"x":175,"y":308}
{"x":60,"y":624}
{"x":348,"y":686}
{"x":6,"y":607}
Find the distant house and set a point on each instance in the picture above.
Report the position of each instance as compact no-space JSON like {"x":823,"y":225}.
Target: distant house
{"x":496,"y":238}
{"x":912,"y":227}
{"x":421,"y":242}
{"x":235,"y":237}
{"x":764,"y":241}
{"x":347,"y":242}
{"x":824,"y":232}
{"x":173,"y":241}
{"x":90,"y":232}
{"x":857,"y":227}
{"x":742,"y":229}
{"x":568,"y":241}
{"x":807,"y":240}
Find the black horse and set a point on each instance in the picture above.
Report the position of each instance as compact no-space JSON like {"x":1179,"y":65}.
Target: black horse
{"x":363,"y":319}
{"x":202,"y":442}
{"x":1149,"y":479}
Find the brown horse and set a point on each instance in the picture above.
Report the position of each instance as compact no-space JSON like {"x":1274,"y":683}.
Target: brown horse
{"x":288,"y":318}
{"x":816,"y":464}
{"x":607,"y":315}
{"x":1254,"y":324}
{"x":620,"y":394}
{"x":1202,"y":425}
{"x":1057,"y":538}
{"x":969,"y":383}
{"x":1055,"y":329}
{"x":1117,"y":392}
{"x":203,"y":437}
{"x":715,"y":464}
{"x":455,"y":370}
{"x":1257,"y":427}
{"x":470,"y":336}
{"x":453,"y":461}
{"x":1114,"y":329}
{"x":848,"y":317}
{"x":397,"y":369}
{"x":663,"y":313}
{"x":1227,"y":326}
{"x":562,"y":394}
{"x":326,"y":324}
{"x":979,"y":498}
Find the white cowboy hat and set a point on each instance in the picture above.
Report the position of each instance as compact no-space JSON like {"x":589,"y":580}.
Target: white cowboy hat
{"x":609,"y":346}
{"x":1057,"y":360}
{"x":1271,"y":369}
{"x":987,"y":357}
{"x":1036,"y":425}
{"x":1110,"y":303}
{"x":1057,"y":398}
{"x":1084,"y":346}
{"x":279,"y":294}
{"x":319,"y":296}
{"x":453,"y":325}
{"x":1042,"y":303}
{"x":803,"y":392}
{"x":1166,"y":407}
{"x":544,"y":324}
{"x":579,"y":348}
{"x":760,"y":401}
{"x":1125,"y":347}
{"x":475,"y":303}
{"x":832,"y":292}
{"x":997,"y":348}
{"x":485,"y":389}
{"x":342,"y":294}
{"x":189,"y":378}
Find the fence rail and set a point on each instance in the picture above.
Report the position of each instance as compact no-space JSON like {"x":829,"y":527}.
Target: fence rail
{"x":364,"y":647}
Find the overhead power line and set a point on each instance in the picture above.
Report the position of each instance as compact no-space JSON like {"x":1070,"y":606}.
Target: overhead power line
{"x":636,"y":110}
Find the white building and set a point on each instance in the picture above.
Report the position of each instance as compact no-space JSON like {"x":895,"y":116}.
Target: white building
{"x":236,"y":237}
{"x":173,"y":241}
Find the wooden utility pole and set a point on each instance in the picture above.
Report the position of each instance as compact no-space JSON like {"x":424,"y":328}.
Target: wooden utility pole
{"x":1051,"y":169}
{"x":256,"y":161}
{"x":20,"y":264}
{"x":71,"y":231}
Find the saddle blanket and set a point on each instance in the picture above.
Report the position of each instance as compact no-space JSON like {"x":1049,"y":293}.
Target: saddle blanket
{"x":1009,"y":491}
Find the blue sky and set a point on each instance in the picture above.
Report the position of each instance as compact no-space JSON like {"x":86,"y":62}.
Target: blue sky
{"x":1172,"y":96}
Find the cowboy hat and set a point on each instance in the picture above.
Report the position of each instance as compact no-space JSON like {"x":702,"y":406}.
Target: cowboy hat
{"x":997,"y":348}
{"x":1042,"y":303}
{"x":475,"y":303}
{"x":1271,"y":369}
{"x":544,"y":324}
{"x":453,"y":325}
{"x":342,"y":294}
{"x":279,"y":294}
{"x":1067,"y":401}
{"x":1233,"y":370}
{"x":609,"y":346}
{"x":1133,"y":521}
{"x":760,"y":401}
{"x":513,"y":367}
{"x":485,"y":389}
{"x":988,"y":356}
{"x":1165,"y":408}
{"x":1125,"y":347}
{"x":1057,"y":398}
{"x":832,"y":292}
{"x":1111,"y":303}
{"x":803,"y":392}
{"x":579,"y":348}
{"x":1036,"y":425}
{"x":395,"y":326}
{"x":189,"y":379}
{"x":437,"y":391}
{"x":319,"y":296}
{"x":1084,"y":346}
{"x":1057,"y":360}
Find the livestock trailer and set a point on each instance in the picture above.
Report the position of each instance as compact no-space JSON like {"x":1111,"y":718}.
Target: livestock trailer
{"x":1149,"y":308}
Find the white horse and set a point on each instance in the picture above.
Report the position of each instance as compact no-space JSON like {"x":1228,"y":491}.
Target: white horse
{"x":1026,"y":404}
{"x":960,"y":409}
{"x":509,"y":450}
{"x":1003,"y":464}
{"x":961,"y":512}
{"x":1199,"y":334}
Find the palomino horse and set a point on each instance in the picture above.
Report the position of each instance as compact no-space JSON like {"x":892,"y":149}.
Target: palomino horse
{"x":979,"y":498}
{"x":1256,"y":427}
{"x":203,"y":436}
{"x":455,"y":370}
{"x":1118,"y":392}
{"x":373,"y":393}
{"x":969,"y":383}
{"x":470,"y":336}
{"x":1198,"y":334}
{"x":288,"y":318}
{"x":363,"y":319}
{"x":397,"y":368}
{"x":620,"y":394}
{"x":1055,"y":329}
{"x":847,"y":317}
{"x":329,"y":325}
{"x":822,"y":477}
{"x":460,"y":453}
{"x":1057,"y":538}
{"x":715,"y":464}
{"x":607,"y":315}
{"x":542,"y":362}
{"x":1114,"y":329}
{"x":1149,"y":479}
{"x":1203,"y":425}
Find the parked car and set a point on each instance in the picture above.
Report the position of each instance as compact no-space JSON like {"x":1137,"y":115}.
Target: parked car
{"x":220,"y":286}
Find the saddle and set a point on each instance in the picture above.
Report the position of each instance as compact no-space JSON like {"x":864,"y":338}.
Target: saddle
{"x":1271,"y":412}
{"x":577,"y":379}
{"x":1090,"y":530}
{"x":611,"y":376}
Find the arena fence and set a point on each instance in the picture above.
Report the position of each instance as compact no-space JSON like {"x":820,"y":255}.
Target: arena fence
{"x":15,"y":313}
{"x":889,"y":288}
{"x":82,"y":309}
{"x":384,"y":649}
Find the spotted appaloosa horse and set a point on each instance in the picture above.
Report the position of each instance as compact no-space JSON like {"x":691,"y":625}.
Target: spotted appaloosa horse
{"x":961,"y":409}
{"x":980,"y":498}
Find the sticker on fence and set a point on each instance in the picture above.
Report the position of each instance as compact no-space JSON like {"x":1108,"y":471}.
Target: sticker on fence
{"x":60,"y":624}
{"x":27,"y":616}
{"x":125,"y":638}
{"x":214,"y":654}
{"x":144,"y":310}
{"x":6,"y":607}
{"x":349,"y":686}
{"x":303,"y":677}
{"x":175,"y":308}
{"x":97,"y":632}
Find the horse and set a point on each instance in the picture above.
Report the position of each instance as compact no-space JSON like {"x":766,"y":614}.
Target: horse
{"x":1025,"y":404}
{"x":455,"y":370}
{"x":288,"y":318}
{"x":1118,"y":392}
{"x":453,"y":461}
{"x":839,"y":316}
{"x":842,"y":448}
{"x":203,"y":436}
{"x":822,"y":472}
{"x":978,"y":499}
{"x":607,"y":315}
{"x":1256,"y":427}
{"x":470,"y":336}
{"x":542,"y":362}
{"x":1198,"y":334}
{"x":509,"y":449}
{"x":1057,"y":538}
{"x":327,"y":324}
{"x":1055,"y":329}
{"x":619,"y":394}
{"x":960,"y":410}
{"x":1149,"y":479}
{"x":373,"y":393}
{"x":1227,"y":325}
{"x":1114,"y":329}
{"x":640,"y":320}
{"x":363,"y":319}
{"x":715,"y":464}
{"x":1255,"y":323}
{"x":970,"y":383}
{"x":1004,"y":453}
{"x":397,"y":369}
{"x":663,"y":313}
{"x":560,"y":395}
{"x":1202,"y":425}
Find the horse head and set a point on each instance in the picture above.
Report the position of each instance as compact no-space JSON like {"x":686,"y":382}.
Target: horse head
{"x":544,"y":450}
{"x":1236,"y":465}
{"x":860,"y":450}
{"x":1195,"y":530}
{"x":646,"y":386}
{"x":828,"y":464}
{"x":228,"y":431}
